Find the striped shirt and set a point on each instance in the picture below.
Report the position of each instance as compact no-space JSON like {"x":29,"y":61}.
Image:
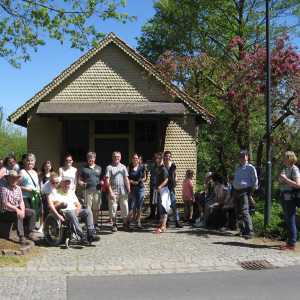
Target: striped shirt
{"x":9,"y":195}
{"x":117,"y":175}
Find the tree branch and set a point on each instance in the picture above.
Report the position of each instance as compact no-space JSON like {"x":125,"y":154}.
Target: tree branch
{"x":56,"y":10}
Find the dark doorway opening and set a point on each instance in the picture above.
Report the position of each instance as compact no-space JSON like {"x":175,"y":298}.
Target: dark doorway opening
{"x":104,"y":148}
{"x":76,"y":139}
{"x":147,"y":138}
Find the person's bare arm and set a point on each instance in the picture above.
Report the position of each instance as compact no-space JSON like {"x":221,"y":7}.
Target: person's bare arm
{"x":78,"y":207}
{"x":21,"y":184}
{"x":289,"y":182}
{"x":53,"y":209}
{"x":16,"y":209}
{"x":127,"y":184}
{"x":26,"y":189}
{"x":110,"y":191}
{"x":22,"y":207}
{"x":163,"y":184}
{"x":79,"y":180}
{"x":146,"y":175}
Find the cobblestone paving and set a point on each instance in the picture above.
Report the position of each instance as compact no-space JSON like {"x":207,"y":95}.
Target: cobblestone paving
{"x":177,"y":251}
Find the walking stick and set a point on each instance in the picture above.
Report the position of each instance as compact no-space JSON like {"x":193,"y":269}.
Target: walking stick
{"x":101,"y":214}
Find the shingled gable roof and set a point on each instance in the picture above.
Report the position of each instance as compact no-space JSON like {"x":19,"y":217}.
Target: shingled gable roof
{"x":138,"y":58}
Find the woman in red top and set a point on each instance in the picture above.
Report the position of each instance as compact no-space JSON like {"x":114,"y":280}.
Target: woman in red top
{"x":188,"y":195}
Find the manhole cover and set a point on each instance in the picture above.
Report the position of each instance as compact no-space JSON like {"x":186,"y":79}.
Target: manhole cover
{"x":256,"y":265}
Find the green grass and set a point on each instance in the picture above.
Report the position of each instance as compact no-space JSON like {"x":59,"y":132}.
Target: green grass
{"x":13,"y":261}
{"x":17,"y":260}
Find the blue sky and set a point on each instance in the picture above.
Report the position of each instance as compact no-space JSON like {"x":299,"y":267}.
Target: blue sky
{"x":19,"y":85}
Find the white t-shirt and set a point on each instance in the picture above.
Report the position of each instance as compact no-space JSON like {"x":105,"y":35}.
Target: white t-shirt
{"x":70,"y":173}
{"x":69,"y":198}
{"x":47,"y":188}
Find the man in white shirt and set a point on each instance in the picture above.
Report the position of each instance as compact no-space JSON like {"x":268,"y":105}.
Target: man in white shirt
{"x":119,"y":188}
{"x":64,"y":199}
{"x":245,"y":182}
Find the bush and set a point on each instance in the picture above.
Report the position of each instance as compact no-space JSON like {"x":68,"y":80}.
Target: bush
{"x":11,"y":139}
{"x":276,"y":228}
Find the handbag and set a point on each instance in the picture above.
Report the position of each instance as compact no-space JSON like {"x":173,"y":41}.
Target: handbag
{"x":36,"y":199}
{"x":295,"y":193}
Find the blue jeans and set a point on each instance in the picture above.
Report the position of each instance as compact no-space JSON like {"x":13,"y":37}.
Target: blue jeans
{"x":174,"y":205}
{"x":136,"y":198}
{"x":289,"y":210}
{"x":85,"y":215}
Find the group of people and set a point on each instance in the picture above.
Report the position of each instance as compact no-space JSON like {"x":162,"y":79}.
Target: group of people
{"x":224,"y":203}
{"x":28,"y":195}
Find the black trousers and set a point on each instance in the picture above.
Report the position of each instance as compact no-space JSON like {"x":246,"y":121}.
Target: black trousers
{"x":29,"y":219}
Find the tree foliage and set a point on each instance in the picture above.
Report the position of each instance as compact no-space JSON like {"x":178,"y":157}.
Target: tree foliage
{"x":189,"y":26}
{"x":11,"y":139}
{"x":214,"y":50}
{"x":235,"y":90}
{"x":25,"y":24}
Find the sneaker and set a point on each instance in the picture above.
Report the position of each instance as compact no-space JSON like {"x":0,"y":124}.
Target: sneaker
{"x":32,"y":237}
{"x":92,"y":236}
{"x":200,"y":224}
{"x":41,"y":229}
{"x":84,"y":241}
{"x":247,"y":236}
{"x":178,"y":225}
{"x":198,"y":220}
{"x":139,"y":225}
{"x":22,"y":241}
{"x":287,"y":247}
{"x":238,"y":234}
{"x":114,"y":228}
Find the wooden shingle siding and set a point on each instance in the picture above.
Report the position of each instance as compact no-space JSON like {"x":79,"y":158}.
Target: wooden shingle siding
{"x":180,"y":140}
{"x":44,"y":139}
{"x":110,"y":77}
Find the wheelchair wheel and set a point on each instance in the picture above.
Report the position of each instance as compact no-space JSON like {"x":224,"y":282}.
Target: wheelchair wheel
{"x":67,"y":242}
{"x":53,"y":231}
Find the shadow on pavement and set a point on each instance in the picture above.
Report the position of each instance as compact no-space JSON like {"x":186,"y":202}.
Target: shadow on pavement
{"x":205,"y":232}
{"x":248,"y":245}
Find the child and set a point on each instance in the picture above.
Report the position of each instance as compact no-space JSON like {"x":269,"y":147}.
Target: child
{"x":188,"y":195}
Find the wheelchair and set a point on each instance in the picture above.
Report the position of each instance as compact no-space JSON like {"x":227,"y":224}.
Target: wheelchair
{"x":57,"y":232}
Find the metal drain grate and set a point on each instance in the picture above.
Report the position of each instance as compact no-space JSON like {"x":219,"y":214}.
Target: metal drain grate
{"x":256,"y":265}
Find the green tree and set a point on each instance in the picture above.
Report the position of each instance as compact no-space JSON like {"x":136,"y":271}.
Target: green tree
{"x":205,"y":43}
{"x":11,"y":139}
{"x":189,"y":26}
{"x":25,"y":24}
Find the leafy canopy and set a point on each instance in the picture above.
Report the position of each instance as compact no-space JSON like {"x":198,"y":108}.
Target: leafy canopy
{"x":214,"y":50}
{"x":25,"y":24}
{"x":190,"y":26}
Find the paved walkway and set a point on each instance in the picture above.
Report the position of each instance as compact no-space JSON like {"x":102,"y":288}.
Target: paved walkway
{"x":185,"y":250}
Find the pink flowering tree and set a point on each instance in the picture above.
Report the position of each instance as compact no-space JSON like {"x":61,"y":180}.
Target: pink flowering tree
{"x":236,"y":80}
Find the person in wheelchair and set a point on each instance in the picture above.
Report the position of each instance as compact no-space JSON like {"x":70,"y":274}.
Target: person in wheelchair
{"x":64,"y":204}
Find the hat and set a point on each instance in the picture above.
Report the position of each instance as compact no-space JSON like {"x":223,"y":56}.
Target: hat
{"x":66,"y":178}
{"x":12,"y":173}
